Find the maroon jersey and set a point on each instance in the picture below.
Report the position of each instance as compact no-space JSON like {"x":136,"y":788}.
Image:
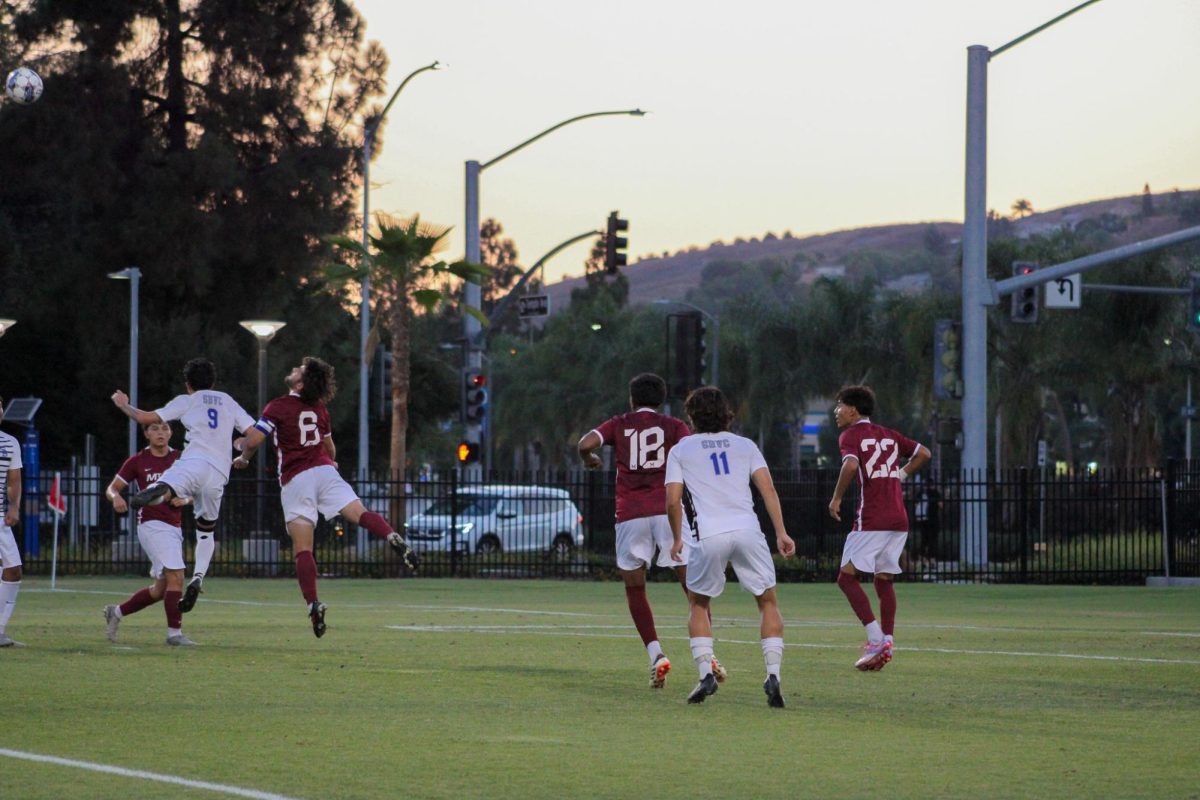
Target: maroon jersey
{"x":641,"y":440}
{"x":878,"y":449}
{"x":297,"y":429}
{"x":144,"y":468}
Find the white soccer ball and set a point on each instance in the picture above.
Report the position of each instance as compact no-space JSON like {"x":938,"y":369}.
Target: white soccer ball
{"x":23,"y":86}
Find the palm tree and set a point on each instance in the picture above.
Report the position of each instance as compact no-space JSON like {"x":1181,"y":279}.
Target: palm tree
{"x":402,"y":271}
{"x":1022,"y":208}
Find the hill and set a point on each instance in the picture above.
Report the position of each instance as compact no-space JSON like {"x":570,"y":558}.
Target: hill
{"x":674,"y":275}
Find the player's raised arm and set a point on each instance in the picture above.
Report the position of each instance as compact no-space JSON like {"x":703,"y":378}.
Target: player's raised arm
{"x":248,"y":444}
{"x":766,"y":487}
{"x":849,"y":469}
{"x":121,"y":401}
{"x":587,"y":450}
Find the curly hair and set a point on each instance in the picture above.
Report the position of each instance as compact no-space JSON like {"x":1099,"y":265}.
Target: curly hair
{"x":861,"y":398}
{"x":647,"y":390}
{"x":319,"y":382}
{"x":707,"y":409}
{"x":200,"y":374}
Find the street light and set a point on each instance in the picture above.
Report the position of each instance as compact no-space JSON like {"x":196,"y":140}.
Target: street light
{"x":134,"y":276}
{"x":369,"y":131}
{"x":264,"y":330}
{"x":471,"y":326}
{"x":716,"y":321}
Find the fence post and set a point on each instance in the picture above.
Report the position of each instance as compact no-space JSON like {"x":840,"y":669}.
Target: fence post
{"x":1023,"y":498}
{"x":453,"y":522}
{"x":1169,"y":498}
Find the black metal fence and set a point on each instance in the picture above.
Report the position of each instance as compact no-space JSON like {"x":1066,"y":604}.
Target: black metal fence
{"x":1023,"y":525}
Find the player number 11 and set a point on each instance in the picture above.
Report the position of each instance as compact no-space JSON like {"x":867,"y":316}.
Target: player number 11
{"x":721,"y":466}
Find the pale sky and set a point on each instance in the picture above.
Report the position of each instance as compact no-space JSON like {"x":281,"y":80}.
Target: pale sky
{"x":799,"y":115}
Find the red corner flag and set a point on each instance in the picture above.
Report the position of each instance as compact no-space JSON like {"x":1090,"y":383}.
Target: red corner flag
{"x":56,"y":501}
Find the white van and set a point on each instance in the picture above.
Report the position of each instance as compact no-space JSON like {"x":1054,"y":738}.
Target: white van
{"x":500,"y":519}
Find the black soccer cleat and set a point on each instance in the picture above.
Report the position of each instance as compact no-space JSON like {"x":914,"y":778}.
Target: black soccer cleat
{"x":774,"y":696}
{"x":190,"y":594}
{"x":402,"y":547}
{"x":706,"y":686}
{"x":151,"y":495}
{"x":316,"y":612}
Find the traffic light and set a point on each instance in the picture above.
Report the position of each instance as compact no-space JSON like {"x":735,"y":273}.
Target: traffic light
{"x":1195,"y":317}
{"x":1024,"y":301}
{"x":467,"y":452}
{"x":474,"y":397}
{"x":947,"y":360}
{"x":615,"y":244}
{"x":688,"y":365}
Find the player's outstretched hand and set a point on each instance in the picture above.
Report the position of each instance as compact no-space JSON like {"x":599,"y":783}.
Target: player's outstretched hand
{"x":120,"y":399}
{"x":593,"y":461}
{"x":119,"y":504}
{"x":180,"y":502}
{"x":677,"y":550}
{"x":835,"y":509}
{"x":787,"y":547}
{"x":241,"y":462}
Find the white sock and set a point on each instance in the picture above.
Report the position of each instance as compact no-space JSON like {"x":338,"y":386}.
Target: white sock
{"x":206,"y":545}
{"x":174,"y":632}
{"x":887,"y":637}
{"x":8,"y":601}
{"x":117,"y":610}
{"x":772,"y":648}
{"x":874,"y":632}
{"x":702,"y":654}
{"x":655,"y":650}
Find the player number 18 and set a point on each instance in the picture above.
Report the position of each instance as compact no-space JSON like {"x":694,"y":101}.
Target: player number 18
{"x":646,"y":449}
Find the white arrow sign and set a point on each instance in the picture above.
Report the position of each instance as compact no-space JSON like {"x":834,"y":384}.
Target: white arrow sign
{"x":1065,"y":292}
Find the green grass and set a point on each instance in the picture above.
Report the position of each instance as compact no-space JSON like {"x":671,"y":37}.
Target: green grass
{"x":556,"y":705}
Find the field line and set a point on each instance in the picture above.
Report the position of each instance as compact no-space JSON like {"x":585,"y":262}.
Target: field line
{"x":571,"y":631}
{"x":236,"y":791}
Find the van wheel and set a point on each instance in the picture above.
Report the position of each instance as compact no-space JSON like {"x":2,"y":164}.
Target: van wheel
{"x":563,"y":547}
{"x":488,"y":545}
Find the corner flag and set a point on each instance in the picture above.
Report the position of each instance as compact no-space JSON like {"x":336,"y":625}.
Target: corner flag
{"x":56,"y":501}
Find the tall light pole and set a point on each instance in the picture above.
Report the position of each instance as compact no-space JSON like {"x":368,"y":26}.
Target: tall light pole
{"x":369,"y":131}
{"x":471,"y":328}
{"x":264,"y":330}
{"x":716,"y":321}
{"x":976,"y":297}
{"x":134,"y":276}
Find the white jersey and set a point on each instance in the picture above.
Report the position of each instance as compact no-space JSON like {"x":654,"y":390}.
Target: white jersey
{"x":10,"y":458}
{"x":715,"y":469}
{"x":211,"y":418}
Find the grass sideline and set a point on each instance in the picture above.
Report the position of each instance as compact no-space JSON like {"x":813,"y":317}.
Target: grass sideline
{"x":530,"y":689}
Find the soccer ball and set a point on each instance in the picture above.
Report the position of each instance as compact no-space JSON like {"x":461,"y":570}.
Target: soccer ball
{"x":23,"y":85}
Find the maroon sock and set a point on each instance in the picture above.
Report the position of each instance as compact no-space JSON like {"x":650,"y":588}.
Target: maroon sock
{"x":174,"y":615}
{"x":306,"y":575}
{"x":858,"y":598}
{"x":141,"y":599}
{"x":639,"y":609}
{"x":375,"y":524}
{"x":887,"y":605}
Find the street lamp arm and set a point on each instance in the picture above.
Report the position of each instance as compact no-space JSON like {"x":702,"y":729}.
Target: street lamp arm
{"x":503,"y":305}
{"x":374,"y":126}
{"x":636,"y":112}
{"x":1041,"y":28}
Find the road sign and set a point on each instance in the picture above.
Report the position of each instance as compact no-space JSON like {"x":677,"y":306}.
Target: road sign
{"x":1041,"y":452}
{"x":1065,"y":292}
{"x":533,"y":305}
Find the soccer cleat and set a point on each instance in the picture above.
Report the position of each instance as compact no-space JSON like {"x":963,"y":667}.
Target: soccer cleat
{"x":190,"y":593}
{"x":874,"y":657}
{"x":316,"y":612}
{"x":179,"y":640}
{"x":706,"y":686}
{"x":113,"y":618}
{"x":7,"y":641}
{"x":407,"y":553}
{"x":719,"y":671}
{"x":774,"y":696}
{"x":659,"y":670}
{"x":150,"y":496}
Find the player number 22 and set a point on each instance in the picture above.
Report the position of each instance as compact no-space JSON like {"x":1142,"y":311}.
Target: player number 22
{"x":308,"y":429}
{"x":646,"y":449}
{"x":878,"y":448}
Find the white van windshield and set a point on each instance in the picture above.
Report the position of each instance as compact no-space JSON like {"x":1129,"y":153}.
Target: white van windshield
{"x":468,"y":505}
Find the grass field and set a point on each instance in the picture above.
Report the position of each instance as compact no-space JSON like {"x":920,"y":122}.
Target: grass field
{"x":529,"y":689}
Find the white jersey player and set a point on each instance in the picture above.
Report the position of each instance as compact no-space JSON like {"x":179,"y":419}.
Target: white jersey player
{"x":211,"y":419}
{"x":10,"y":513}
{"x":709,"y":475}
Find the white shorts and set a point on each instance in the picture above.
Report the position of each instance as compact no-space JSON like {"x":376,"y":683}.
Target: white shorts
{"x":163,"y":544}
{"x":10,"y":556}
{"x":320,"y":489}
{"x":199,"y":480}
{"x":746,"y":550}
{"x":875,"y":551}
{"x":637,"y":538}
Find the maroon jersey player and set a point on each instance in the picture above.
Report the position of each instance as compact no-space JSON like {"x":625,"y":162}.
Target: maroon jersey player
{"x":641,"y":440}
{"x":872,"y":453}
{"x":298,"y":425}
{"x":159,"y":532}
